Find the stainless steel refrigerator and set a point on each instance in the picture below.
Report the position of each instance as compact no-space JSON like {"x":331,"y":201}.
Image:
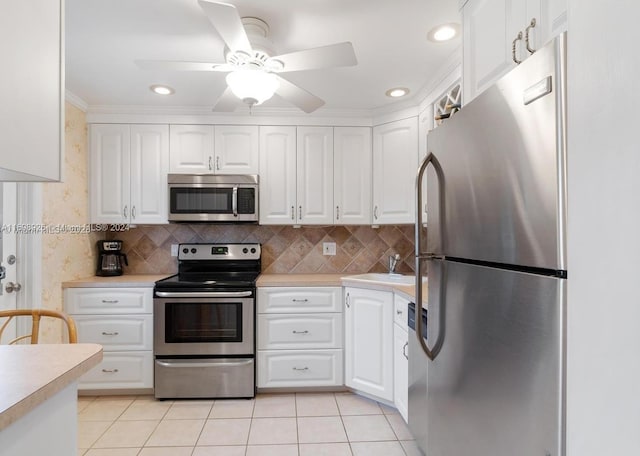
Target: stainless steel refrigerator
{"x":495,"y":257}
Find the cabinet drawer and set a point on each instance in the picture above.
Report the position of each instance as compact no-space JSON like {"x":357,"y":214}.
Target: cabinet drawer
{"x":299,"y":331}
{"x":116,"y":333}
{"x":299,"y":299}
{"x":108,"y":300}
{"x":400,"y":311}
{"x":300,"y":368}
{"x":120,"y":370}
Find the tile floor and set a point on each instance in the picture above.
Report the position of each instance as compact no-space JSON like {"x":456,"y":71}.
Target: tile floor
{"x":303,"y":424}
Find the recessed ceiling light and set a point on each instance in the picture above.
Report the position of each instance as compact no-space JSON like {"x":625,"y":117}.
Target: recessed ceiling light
{"x":161,"y":89}
{"x":397,"y":92}
{"x":444,"y":32}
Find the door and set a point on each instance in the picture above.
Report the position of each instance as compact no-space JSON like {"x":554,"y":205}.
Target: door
{"x":315,"y":175}
{"x":352,"y":175}
{"x":149,"y":165}
{"x":7,"y":251}
{"x":369,"y":341}
{"x":236,"y":149}
{"x":277,"y":175}
{"x":495,"y":386}
{"x":191,"y":148}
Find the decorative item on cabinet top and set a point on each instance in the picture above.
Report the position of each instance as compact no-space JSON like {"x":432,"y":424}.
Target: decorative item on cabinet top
{"x":447,"y":105}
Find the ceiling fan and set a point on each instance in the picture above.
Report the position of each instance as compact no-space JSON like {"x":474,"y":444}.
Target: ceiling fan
{"x":253,"y":73}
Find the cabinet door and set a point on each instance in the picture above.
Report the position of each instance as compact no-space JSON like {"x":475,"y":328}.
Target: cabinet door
{"x":489,"y":27}
{"x":277,"y":175}
{"x":109,"y":174}
{"x":369,"y":341}
{"x":395,"y":161}
{"x":551,"y":20}
{"x":149,"y":168}
{"x":352,"y":164}
{"x":191,"y":148}
{"x":236,"y":149}
{"x":32,"y":90}
{"x":315,"y":175}
{"x":401,"y":370}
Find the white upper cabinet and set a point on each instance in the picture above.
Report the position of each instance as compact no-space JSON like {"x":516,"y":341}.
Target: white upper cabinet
{"x":236,"y":149}
{"x":315,"y":175}
{"x":395,"y":162}
{"x":31,"y":90}
{"x":352,"y":166}
{"x":220,"y":149}
{"x":191,"y":149}
{"x":128,"y":173}
{"x":278,"y":175}
{"x":495,"y":36}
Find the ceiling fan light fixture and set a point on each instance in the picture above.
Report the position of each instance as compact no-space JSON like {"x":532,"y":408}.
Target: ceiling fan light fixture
{"x":397,"y":92}
{"x":161,"y":89}
{"x":253,"y":87}
{"x":444,"y":32}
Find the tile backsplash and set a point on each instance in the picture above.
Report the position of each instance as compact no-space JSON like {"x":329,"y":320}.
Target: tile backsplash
{"x":285,"y":249}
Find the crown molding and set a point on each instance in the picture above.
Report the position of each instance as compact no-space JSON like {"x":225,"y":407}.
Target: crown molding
{"x":76,"y":101}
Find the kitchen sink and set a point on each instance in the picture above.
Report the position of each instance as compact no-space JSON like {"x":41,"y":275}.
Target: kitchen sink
{"x":381,"y":277}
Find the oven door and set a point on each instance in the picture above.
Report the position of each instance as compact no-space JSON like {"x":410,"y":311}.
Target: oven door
{"x":201,"y":325}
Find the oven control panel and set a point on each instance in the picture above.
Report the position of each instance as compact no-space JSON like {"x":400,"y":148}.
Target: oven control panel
{"x":219,"y":252}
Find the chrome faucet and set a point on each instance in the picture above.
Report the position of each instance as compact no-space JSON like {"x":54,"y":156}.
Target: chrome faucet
{"x":393,"y":261}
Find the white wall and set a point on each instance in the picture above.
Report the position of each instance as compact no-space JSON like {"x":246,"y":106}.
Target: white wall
{"x":604,"y":228}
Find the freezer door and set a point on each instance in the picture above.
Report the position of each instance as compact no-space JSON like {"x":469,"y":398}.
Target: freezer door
{"x":503,"y":160}
{"x":495,"y":387}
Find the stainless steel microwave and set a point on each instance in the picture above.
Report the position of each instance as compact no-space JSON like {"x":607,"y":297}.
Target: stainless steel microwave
{"x":213,"y":198}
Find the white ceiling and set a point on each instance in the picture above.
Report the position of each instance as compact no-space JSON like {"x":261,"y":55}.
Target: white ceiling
{"x":104,"y":37}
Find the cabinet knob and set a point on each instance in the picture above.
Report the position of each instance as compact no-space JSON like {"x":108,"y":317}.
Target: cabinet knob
{"x":293,"y":215}
{"x":300,"y":332}
{"x":347,"y":300}
{"x":105,"y":333}
{"x":110,"y":371}
{"x":300,"y":368}
{"x":110,"y":301}
{"x":210,"y":164}
{"x":513,"y":48}
{"x":404,"y":350}
{"x":399,"y":312}
{"x":217,"y":163}
{"x":337,"y":212}
{"x":125,"y":211}
{"x":375,"y":212}
{"x":300,"y":300}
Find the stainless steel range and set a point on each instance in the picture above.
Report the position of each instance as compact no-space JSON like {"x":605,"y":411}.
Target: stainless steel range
{"x":204,"y":323}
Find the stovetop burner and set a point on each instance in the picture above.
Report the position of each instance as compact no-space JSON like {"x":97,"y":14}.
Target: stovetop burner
{"x":205,"y":267}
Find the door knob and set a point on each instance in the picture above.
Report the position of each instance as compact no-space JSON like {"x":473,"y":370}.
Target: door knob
{"x":11,"y":287}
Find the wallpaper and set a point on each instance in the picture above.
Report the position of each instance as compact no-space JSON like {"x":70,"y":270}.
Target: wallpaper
{"x":284,"y":248}
{"x":67,"y":255}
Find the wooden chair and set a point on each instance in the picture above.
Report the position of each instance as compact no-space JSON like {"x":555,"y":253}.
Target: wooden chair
{"x":35,"y":324}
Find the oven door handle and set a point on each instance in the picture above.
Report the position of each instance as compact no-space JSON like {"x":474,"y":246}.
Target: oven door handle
{"x":211,"y":363}
{"x":204,"y":294}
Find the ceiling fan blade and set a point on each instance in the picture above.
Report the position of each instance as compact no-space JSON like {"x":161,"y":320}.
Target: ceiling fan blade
{"x":182,"y":66}
{"x":227,"y":101}
{"x":333,"y":55}
{"x":298,"y":96}
{"x":227,"y":22}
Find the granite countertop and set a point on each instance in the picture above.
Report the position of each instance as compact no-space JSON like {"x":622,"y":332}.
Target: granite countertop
{"x":31,"y":374}
{"x":125,"y":280}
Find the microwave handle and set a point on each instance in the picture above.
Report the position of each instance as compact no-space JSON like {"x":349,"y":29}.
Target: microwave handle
{"x":234,"y":201}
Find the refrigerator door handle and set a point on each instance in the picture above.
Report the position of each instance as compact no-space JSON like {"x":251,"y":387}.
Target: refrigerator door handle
{"x":429,"y":160}
{"x":433,"y":352}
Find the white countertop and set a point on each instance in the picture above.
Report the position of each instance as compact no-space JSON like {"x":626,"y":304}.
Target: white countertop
{"x":31,"y":374}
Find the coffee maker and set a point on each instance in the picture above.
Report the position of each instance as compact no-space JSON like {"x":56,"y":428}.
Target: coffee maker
{"x":110,"y":258}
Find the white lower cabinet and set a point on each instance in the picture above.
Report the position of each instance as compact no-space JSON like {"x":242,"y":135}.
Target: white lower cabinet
{"x":300,"y":337}
{"x":369,"y":341}
{"x":400,"y":356}
{"x":121,"y":320}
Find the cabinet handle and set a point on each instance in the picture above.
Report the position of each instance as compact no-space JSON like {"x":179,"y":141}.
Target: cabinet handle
{"x":513,"y":48}
{"x":375,"y":212}
{"x":125,"y":211}
{"x":110,"y":301}
{"x":104,"y":333}
{"x":337,"y":212}
{"x":133,"y":212}
{"x":300,"y":332}
{"x":300,"y":300}
{"x":347,"y":300}
{"x":218,"y":162}
{"x":210,"y":165}
{"x":299,"y":212}
{"x":110,"y":371}
{"x":293,"y":216}
{"x":526,"y":35}
{"x":300,"y":369}
{"x":404,"y":350}
{"x":399,"y":312}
